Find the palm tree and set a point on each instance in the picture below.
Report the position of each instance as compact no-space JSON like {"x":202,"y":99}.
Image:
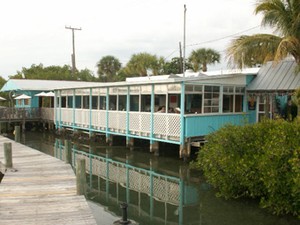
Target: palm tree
{"x":284,"y":16}
{"x":200,"y":58}
{"x":141,"y":63}
{"x":108,"y":66}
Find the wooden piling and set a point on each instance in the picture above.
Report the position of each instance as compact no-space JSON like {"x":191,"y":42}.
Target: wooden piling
{"x":17,"y":133}
{"x":68,"y":149}
{"x":8,"y":155}
{"x":80,"y":176}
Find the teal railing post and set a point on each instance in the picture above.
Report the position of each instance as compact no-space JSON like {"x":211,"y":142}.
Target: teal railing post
{"x":180,"y":213}
{"x":73,"y":106}
{"x":152,"y":114}
{"x":127,"y":114}
{"x":90,"y":108}
{"x":182,"y":109}
{"x":107,"y":113}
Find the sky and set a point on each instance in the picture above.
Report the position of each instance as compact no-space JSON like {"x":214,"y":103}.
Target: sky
{"x":33,"y":31}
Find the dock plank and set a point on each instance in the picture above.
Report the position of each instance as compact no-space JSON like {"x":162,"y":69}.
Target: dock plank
{"x":40,"y":189}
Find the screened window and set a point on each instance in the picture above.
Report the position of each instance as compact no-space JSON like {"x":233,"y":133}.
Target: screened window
{"x":94,"y":102}
{"x":102,"y":102}
{"x":86,"y":102}
{"x":122,"y":103}
{"x":211,"y":99}
{"x":78,"y":102}
{"x":134,"y":103}
{"x":63,"y":101}
{"x":112,"y":102}
{"x":70,"y":101}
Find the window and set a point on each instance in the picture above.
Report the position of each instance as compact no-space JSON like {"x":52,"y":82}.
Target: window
{"x":78,"y":102}
{"x":70,"y":101}
{"x":86,"y":102}
{"x":122,"y":103}
{"x":146,"y":103}
{"x":134,"y":103}
{"x":228,"y":99}
{"x":102,"y":102}
{"x":63,"y":101}
{"x":112,"y":102}
{"x":94,"y":102}
{"x":211,"y":99}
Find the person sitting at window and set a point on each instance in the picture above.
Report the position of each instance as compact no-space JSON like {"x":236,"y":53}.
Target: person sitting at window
{"x":161,"y":109}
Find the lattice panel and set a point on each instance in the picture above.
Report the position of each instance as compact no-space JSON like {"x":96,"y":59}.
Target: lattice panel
{"x":166,"y":125}
{"x":166,"y":190}
{"x":160,"y":124}
{"x":145,"y":122}
{"x":117,"y":120}
{"x":117,"y":173}
{"x":98,"y":119}
{"x":174,"y":128}
{"x":98,"y":168}
{"x":67,"y":116}
{"x":139,"y":182}
{"x":134,"y":122}
{"x":85,"y":115}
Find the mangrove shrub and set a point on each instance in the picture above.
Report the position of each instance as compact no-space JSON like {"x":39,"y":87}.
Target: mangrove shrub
{"x":256,"y":161}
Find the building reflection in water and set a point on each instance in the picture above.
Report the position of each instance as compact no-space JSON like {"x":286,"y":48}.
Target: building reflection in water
{"x":152,"y":197}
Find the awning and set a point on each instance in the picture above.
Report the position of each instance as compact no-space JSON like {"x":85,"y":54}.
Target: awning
{"x":50,"y":94}
{"x":23,"y":96}
{"x":41,"y":94}
{"x":2,"y":99}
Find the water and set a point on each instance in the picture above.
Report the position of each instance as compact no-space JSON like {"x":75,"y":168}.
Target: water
{"x":159,"y":190}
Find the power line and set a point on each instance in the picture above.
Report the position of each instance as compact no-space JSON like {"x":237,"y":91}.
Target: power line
{"x":225,"y":37}
{"x":215,"y":40}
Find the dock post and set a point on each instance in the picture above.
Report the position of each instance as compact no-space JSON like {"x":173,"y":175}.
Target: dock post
{"x":80,"y":176}
{"x":68,"y":152}
{"x":8,"y":155}
{"x":17,"y":134}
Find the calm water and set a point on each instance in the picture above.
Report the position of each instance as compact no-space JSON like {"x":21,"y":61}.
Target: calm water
{"x":159,"y":190}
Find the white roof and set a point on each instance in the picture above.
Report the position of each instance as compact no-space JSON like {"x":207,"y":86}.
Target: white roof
{"x":43,"y":85}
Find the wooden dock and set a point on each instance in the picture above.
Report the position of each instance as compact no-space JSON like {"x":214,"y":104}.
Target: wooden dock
{"x":40,"y":189}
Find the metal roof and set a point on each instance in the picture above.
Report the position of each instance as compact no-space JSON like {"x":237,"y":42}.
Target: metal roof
{"x":276,"y":77}
{"x":43,"y":85}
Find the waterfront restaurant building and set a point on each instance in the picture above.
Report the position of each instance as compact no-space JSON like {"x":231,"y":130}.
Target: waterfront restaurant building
{"x":175,"y":109}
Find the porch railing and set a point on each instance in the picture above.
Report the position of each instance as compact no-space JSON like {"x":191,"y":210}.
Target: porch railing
{"x":9,"y":114}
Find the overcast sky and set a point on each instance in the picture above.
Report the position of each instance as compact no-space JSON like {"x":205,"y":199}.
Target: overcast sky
{"x":33,"y":31}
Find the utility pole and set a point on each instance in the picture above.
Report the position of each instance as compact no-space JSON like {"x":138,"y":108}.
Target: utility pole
{"x":180,"y":59}
{"x":73,"y":54}
{"x":184,"y":21}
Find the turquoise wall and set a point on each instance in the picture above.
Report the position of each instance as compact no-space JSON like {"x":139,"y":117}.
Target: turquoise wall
{"x":205,"y":124}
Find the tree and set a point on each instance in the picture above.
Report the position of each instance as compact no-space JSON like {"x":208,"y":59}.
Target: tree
{"x":175,"y":66}
{"x":200,"y":58}
{"x":284,"y":16}
{"x":53,"y":73}
{"x":141,"y":63}
{"x":108,"y":66}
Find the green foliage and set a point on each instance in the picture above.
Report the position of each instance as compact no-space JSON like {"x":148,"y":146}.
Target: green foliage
{"x":53,"y":73}
{"x":108,"y":67}
{"x":140,"y":64}
{"x":201,"y":57}
{"x":283,"y":17}
{"x":256,"y":161}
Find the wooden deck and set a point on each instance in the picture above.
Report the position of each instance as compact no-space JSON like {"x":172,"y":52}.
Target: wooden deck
{"x":40,"y":189}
